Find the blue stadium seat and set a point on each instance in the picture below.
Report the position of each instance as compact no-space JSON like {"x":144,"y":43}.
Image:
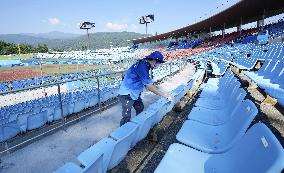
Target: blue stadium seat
{"x":161,"y":107}
{"x":218,"y":139}
{"x":195,"y":77}
{"x":219,"y":68}
{"x":124,"y":136}
{"x":145,"y":121}
{"x":271,"y":79}
{"x":258,"y":151}
{"x":69,"y":168}
{"x":8,"y":130}
{"x":22,"y":121}
{"x":57,"y":113}
{"x":95,"y":158}
{"x":220,"y":100}
{"x":90,"y":165}
{"x":50,"y":111}
{"x":218,"y":117}
{"x":216,"y":86}
{"x":68,"y":108}
{"x":80,"y":104}
{"x":36,"y":120}
{"x":92,"y":159}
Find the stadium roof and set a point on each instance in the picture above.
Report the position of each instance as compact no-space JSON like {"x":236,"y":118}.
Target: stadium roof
{"x":245,"y":11}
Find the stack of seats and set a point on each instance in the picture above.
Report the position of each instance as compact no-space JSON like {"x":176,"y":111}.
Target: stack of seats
{"x":215,"y":136}
{"x":270,"y":77}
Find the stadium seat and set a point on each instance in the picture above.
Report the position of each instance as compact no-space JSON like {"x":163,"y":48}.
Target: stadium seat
{"x":218,"y":139}
{"x":257,"y":151}
{"x":50,"y":112}
{"x":91,"y":165}
{"x":9,"y":130}
{"x":145,"y":121}
{"x":36,"y":120}
{"x":219,"y":101}
{"x":22,"y":121}
{"x":124,"y":137}
{"x":68,"y":108}
{"x":93,"y":160}
{"x":57,"y":113}
{"x":69,"y":168}
{"x":216,"y":86}
{"x":221,"y":116}
{"x":161,"y":107}
{"x":80,"y":104}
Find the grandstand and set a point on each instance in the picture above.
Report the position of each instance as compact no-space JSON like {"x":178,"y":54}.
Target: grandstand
{"x":227,"y":113}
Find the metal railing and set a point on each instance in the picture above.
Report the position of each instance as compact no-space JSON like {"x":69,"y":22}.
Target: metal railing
{"x":179,"y":64}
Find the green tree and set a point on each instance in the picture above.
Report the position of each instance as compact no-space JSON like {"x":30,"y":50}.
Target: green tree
{"x":10,"y":48}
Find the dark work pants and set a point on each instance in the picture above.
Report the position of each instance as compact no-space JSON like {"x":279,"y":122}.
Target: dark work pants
{"x":127,"y":104}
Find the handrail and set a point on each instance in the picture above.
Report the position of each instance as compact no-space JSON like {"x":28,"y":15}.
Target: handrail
{"x":180,"y":63}
{"x":70,"y":80}
{"x":58,"y":83}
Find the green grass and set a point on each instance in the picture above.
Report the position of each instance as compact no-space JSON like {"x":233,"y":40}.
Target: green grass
{"x":9,"y":57}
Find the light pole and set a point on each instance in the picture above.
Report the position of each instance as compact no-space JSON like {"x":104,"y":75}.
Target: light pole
{"x":87,"y":26}
{"x":146,"y":19}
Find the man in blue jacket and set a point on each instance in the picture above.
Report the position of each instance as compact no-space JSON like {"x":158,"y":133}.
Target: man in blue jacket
{"x":136,"y":77}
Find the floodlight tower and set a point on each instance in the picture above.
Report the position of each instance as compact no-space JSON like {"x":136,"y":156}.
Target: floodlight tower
{"x":146,"y":19}
{"x":87,"y":26}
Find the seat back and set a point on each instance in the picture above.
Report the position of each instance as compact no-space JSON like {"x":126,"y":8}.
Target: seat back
{"x":267,"y":69}
{"x":280,"y":79}
{"x":145,"y":120}
{"x":240,"y":121}
{"x":278,"y":68}
{"x":97,"y":157}
{"x":236,"y":99}
{"x":92,"y":160}
{"x":230,"y":90}
{"x":270,"y":68}
{"x":124,"y":135}
{"x":96,"y":167}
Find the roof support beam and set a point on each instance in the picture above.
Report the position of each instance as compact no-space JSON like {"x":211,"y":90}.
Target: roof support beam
{"x":223,"y":31}
{"x":239,"y":29}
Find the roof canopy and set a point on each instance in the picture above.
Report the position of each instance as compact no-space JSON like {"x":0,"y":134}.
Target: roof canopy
{"x":243,"y":12}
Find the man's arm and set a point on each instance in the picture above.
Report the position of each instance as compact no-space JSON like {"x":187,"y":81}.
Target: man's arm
{"x":155,"y":90}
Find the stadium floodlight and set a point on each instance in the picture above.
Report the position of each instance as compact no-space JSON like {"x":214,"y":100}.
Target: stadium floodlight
{"x":146,"y":19}
{"x":87,"y":26}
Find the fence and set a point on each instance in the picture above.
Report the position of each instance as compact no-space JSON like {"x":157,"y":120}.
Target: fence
{"x":30,"y":108}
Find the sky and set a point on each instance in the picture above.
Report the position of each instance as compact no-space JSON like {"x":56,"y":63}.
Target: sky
{"x":41,"y":16}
